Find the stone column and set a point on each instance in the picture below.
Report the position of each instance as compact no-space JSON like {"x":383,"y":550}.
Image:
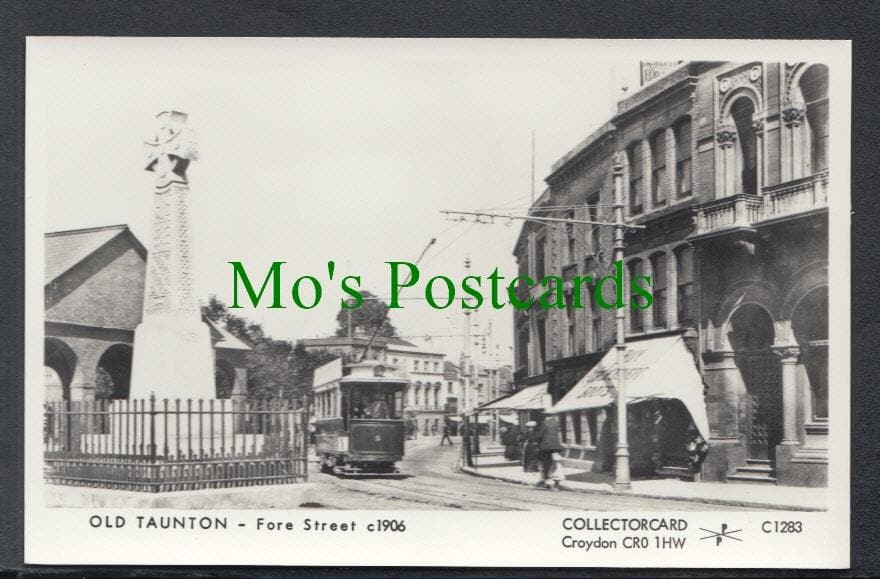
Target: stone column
{"x":722,"y":372}
{"x":758,"y":127}
{"x":793,"y":114}
{"x":82,"y":384}
{"x":725,"y":136}
{"x":671,"y":290}
{"x":789,"y":356}
{"x":670,"y":166}
{"x":648,"y":314}
{"x":647,"y":178}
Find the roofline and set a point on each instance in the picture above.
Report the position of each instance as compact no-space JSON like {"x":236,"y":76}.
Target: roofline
{"x":581,"y":150}
{"x":656,"y":90}
{"x":123,"y":228}
{"x":86,"y":229}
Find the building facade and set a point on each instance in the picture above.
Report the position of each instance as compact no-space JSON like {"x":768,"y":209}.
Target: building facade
{"x":725,"y":165}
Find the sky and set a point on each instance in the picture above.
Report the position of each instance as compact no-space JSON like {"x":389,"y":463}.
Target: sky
{"x":316,"y":150}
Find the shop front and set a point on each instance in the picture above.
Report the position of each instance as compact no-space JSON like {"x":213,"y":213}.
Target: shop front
{"x":667,"y":420}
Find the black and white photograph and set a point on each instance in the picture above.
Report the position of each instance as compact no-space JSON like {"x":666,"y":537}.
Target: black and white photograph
{"x":439,"y":296}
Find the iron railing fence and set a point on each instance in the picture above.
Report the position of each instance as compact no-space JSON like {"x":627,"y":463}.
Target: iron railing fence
{"x":170,"y":445}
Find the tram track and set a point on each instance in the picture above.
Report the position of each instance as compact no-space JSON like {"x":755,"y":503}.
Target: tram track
{"x":436,"y":483}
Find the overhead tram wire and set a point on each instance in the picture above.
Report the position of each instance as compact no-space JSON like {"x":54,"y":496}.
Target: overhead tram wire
{"x":385,"y":316}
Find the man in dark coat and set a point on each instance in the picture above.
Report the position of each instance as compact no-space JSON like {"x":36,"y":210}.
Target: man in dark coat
{"x":549,"y":441}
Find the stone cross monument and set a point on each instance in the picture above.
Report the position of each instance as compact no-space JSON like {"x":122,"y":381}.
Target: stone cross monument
{"x":173,"y":357}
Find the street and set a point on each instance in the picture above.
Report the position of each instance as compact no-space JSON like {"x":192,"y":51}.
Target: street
{"x":436,"y":484}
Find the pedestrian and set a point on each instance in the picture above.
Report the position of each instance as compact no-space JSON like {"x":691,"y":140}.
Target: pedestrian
{"x":510,"y":440}
{"x":466,"y":443}
{"x":530,"y":447}
{"x":446,"y":434}
{"x":697,"y":448}
{"x":434,"y":429}
{"x":549,"y":443}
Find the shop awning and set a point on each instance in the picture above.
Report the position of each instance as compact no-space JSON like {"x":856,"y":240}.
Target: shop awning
{"x":656,"y":368}
{"x":529,"y":398}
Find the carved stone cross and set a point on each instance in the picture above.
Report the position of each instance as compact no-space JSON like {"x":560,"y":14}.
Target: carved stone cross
{"x":171,"y":148}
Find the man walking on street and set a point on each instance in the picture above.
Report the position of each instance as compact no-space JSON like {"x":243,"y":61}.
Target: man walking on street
{"x":549,"y":443}
{"x":446,"y":434}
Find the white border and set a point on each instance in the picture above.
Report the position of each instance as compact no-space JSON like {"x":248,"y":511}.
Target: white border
{"x":453,"y":538}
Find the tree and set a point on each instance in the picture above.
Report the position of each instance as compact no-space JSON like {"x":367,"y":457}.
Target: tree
{"x":372,"y":313}
{"x":275,"y":367}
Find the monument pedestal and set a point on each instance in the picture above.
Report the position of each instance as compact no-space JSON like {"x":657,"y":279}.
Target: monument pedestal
{"x":173,"y":359}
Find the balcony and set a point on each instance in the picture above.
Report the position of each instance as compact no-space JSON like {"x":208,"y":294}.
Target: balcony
{"x":800,"y":196}
{"x":745,"y":212}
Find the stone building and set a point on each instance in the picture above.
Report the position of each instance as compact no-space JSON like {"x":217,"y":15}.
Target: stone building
{"x":94,"y":292}
{"x":725,"y":165}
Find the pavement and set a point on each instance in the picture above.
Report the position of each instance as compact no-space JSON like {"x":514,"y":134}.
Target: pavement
{"x":289,"y":496}
{"x":761,"y":496}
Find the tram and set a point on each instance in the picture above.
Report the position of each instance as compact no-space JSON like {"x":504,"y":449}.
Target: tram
{"x":359,"y":418}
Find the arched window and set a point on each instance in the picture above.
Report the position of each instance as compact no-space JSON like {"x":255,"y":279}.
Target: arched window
{"x":634,"y":159}
{"x":742,"y":111}
{"x":658,"y":266}
{"x":636,"y":319}
{"x":658,"y":168}
{"x":814,"y":90}
{"x":683,"y":186}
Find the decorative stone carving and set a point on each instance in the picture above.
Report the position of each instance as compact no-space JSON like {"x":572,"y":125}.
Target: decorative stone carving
{"x":758,"y":124}
{"x":725,"y":134}
{"x":744,"y":76}
{"x":788,"y":354}
{"x":171,"y":148}
{"x":793,"y":112}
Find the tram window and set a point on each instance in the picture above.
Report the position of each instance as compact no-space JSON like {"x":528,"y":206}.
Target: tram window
{"x":377,"y":402}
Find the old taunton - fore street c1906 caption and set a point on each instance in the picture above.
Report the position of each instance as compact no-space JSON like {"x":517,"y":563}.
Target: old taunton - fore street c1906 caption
{"x":312,"y":311}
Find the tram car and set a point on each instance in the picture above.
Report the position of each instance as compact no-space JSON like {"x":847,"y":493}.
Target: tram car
{"x":359,"y":418}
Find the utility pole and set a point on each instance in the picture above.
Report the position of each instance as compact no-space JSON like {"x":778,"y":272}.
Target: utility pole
{"x":621,"y":468}
{"x":533,"y":166}
{"x":622,"y":460}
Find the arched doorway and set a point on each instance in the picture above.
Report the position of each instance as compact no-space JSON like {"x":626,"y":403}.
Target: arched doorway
{"x":741,"y":112}
{"x":113,"y":375}
{"x":751,"y":335}
{"x":60,"y":364}
{"x":809,"y":323}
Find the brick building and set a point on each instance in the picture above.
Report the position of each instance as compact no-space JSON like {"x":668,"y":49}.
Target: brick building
{"x":94,"y":292}
{"x":726,"y":167}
